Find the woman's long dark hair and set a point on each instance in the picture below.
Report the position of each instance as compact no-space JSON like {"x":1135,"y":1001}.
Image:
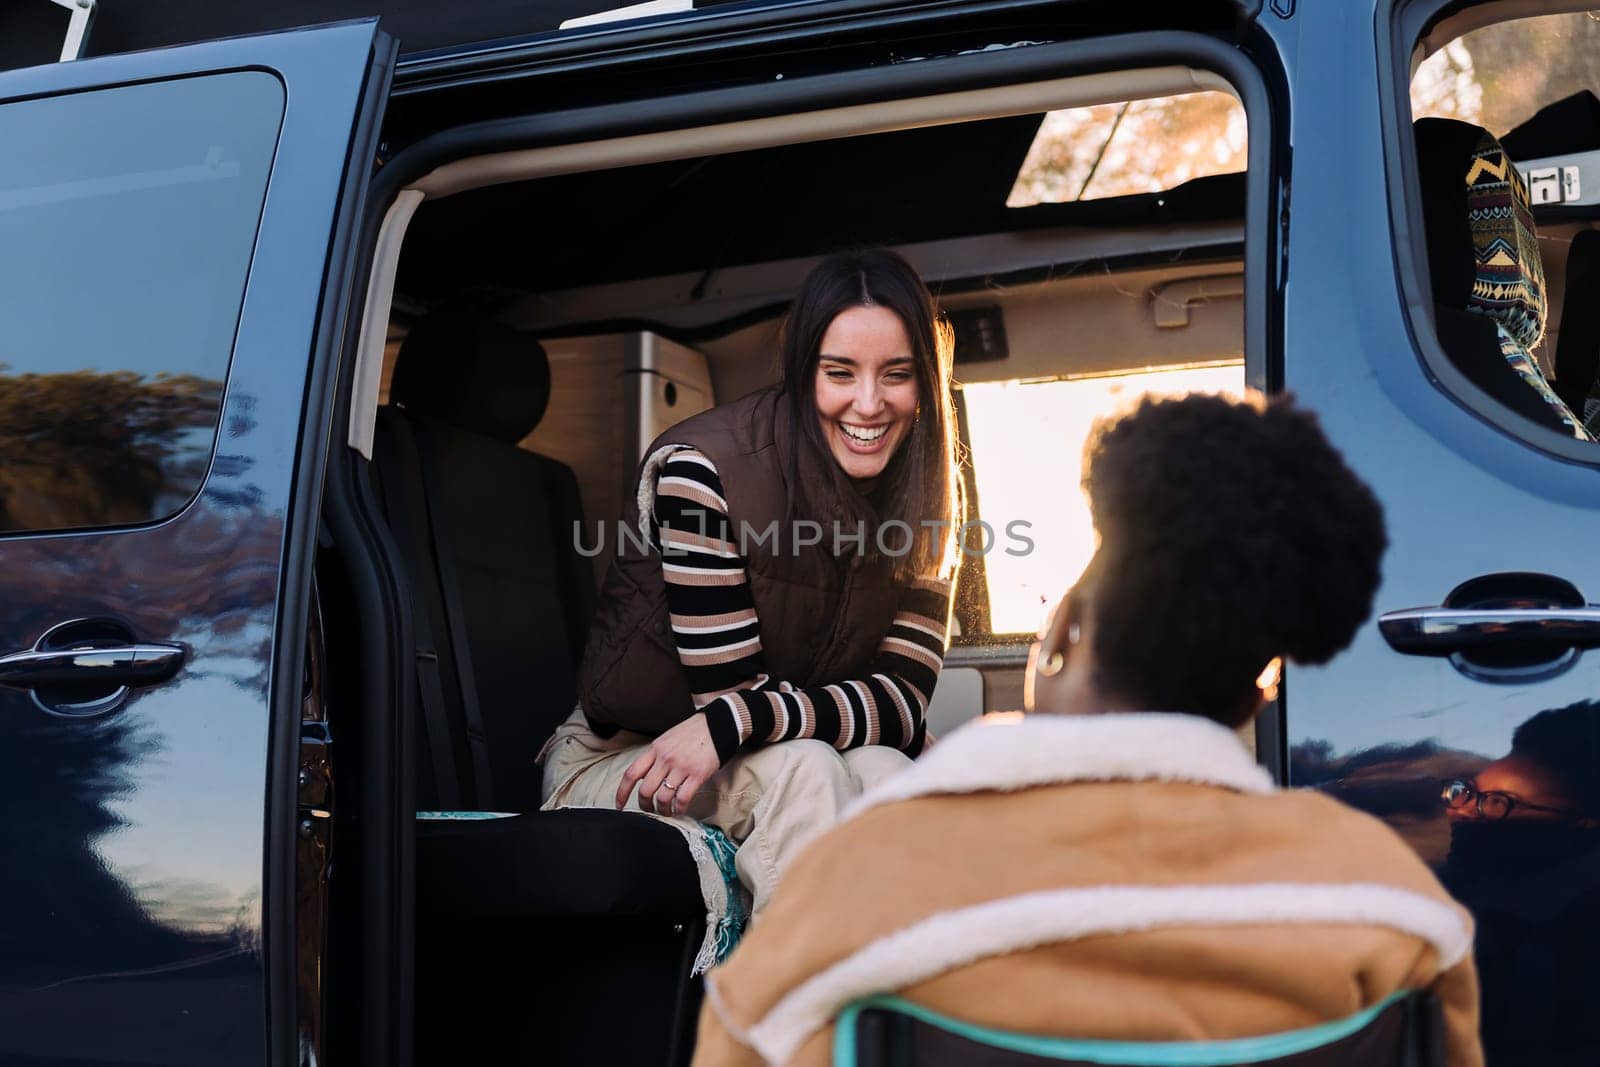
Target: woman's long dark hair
{"x":920,"y":482}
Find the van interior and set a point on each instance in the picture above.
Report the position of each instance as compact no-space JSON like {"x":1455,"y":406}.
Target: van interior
{"x":538,"y":317}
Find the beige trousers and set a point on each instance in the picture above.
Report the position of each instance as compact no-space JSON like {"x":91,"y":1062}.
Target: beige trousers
{"x":772,"y":801}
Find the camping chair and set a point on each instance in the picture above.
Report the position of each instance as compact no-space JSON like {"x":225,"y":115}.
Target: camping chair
{"x":1406,"y":1030}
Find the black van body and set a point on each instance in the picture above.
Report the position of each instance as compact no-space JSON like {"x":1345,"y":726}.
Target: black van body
{"x":209,"y":642}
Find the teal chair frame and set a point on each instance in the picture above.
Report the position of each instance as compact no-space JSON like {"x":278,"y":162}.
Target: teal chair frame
{"x":1405,"y":1030}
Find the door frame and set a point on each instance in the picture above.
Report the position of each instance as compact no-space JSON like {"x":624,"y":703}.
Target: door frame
{"x":351,"y":506}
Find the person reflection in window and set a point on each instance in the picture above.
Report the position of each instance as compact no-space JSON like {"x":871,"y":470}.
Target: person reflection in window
{"x":1525,"y":857}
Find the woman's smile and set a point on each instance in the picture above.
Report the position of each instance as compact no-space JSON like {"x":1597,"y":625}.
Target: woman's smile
{"x":864,"y":438}
{"x":866,"y":388}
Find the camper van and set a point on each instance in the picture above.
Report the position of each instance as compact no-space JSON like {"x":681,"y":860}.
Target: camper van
{"x":282,"y":632}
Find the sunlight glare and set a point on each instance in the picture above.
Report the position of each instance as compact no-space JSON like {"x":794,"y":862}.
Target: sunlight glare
{"x":1027,"y":455}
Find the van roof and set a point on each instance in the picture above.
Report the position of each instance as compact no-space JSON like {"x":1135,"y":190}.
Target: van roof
{"x":32,"y":31}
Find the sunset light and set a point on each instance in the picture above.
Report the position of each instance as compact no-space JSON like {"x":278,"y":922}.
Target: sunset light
{"x":1027,"y":450}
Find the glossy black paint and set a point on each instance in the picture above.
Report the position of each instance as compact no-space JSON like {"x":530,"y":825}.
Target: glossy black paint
{"x":1464,"y":497}
{"x":139,"y":840}
{"x":131,"y":917}
{"x":1472,"y":497}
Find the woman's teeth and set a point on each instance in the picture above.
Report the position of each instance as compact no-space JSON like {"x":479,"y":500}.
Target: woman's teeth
{"x":865,"y":435}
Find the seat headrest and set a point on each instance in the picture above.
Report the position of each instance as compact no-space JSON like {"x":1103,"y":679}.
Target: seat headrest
{"x":1483,"y":250}
{"x":473,"y":373}
{"x":1571,"y":124}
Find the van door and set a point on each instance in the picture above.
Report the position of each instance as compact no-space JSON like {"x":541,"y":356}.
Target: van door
{"x":1464,"y":714}
{"x":174,"y":235}
{"x":1486,"y":607}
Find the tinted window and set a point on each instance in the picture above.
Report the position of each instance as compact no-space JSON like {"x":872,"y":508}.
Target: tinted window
{"x":1500,"y":76}
{"x":1509,"y":251}
{"x":127,"y":220}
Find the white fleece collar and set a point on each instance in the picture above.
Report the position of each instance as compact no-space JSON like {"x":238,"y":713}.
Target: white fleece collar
{"x":951,"y":939}
{"x":1011,"y":751}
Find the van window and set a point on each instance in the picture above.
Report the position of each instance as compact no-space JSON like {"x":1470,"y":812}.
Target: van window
{"x":1501,"y":75}
{"x":1031,"y":500}
{"x":1136,"y":146}
{"x":127,"y":221}
{"x":1506,"y":123}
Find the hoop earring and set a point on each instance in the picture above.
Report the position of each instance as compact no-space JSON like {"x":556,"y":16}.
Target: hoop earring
{"x":1052,"y":664}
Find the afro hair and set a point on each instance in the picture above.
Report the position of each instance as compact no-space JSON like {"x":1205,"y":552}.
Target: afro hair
{"x":1231,"y":532}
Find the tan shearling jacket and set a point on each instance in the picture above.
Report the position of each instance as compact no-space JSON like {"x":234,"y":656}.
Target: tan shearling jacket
{"x":1128,"y":876}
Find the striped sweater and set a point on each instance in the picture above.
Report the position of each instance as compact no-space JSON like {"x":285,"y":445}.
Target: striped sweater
{"x":719,"y":640}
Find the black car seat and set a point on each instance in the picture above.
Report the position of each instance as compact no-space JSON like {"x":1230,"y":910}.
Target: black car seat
{"x":1483,"y":261}
{"x":1571,"y":124}
{"x":501,"y":604}
{"x":493,"y":524}
{"x":1578,"y":345}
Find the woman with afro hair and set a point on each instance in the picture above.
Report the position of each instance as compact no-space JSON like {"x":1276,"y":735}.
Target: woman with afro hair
{"x":1114,"y":864}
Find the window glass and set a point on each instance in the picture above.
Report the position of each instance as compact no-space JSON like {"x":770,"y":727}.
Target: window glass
{"x":1137,"y":146}
{"x":127,"y":221}
{"x":1499,"y":261}
{"x":1497,"y":77}
{"x":1043,"y":537}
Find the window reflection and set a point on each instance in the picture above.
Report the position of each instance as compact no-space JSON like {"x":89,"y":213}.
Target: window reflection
{"x":1514,"y":836}
{"x":1532,"y":880}
{"x":127,"y":223}
{"x":84,"y":449}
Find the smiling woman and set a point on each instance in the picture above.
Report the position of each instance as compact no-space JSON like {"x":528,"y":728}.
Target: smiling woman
{"x":771,"y":652}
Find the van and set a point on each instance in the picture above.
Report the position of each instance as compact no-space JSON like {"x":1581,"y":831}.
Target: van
{"x":327,"y":354}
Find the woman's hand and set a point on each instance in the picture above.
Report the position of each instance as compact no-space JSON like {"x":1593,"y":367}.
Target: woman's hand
{"x":673,"y":769}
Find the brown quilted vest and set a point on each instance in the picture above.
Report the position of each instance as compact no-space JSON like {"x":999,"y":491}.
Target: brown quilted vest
{"x":821,"y":615}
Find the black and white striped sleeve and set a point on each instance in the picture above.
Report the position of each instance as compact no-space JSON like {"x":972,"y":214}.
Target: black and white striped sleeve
{"x":718,"y":636}
{"x":708,"y":590}
{"x":887,"y":707}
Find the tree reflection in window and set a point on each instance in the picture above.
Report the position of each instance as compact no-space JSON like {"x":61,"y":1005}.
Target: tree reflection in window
{"x":91,"y":449}
{"x":1138,"y":146}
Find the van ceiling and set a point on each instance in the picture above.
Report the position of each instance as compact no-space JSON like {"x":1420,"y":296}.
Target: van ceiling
{"x":751,"y":207}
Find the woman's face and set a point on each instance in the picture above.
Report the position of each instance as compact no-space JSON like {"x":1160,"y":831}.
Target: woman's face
{"x":866,"y":388}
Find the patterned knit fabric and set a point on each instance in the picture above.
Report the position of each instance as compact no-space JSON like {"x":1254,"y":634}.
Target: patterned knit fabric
{"x":1521,"y":362}
{"x":1509,"y":282}
{"x":719,"y":637}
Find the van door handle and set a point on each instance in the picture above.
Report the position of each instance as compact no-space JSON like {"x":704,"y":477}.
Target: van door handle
{"x":1442,"y":631}
{"x":85,"y":668}
{"x":126,"y":665}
